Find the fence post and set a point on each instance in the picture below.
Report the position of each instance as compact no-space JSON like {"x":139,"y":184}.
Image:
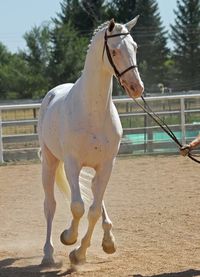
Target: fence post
{"x":1,"y":141}
{"x":183,"y":121}
{"x":35,"y":117}
{"x":149,"y":135}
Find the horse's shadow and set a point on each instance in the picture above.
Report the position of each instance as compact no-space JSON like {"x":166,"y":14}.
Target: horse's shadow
{"x":8,"y":269}
{"x":187,"y":273}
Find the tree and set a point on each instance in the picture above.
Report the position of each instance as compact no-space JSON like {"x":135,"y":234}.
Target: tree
{"x":69,"y":14}
{"x":68,"y":54}
{"x":13,"y":75}
{"x":5,"y":57}
{"x":82,"y":15}
{"x":121,"y":10}
{"x":38,"y":47}
{"x":93,"y":13}
{"x":186,"y":37}
{"x":37,"y":57}
{"x":4,"y":54}
{"x":70,"y":36}
{"x":152,"y":42}
{"x":25,"y":74}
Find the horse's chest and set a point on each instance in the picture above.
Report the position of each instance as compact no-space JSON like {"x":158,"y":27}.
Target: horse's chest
{"x":94,"y":143}
{"x":97,"y":144}
{"x":93,"y":147}
{"x":97,"y":148}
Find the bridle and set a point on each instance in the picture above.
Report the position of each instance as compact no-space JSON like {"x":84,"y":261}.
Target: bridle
{"x":117,"y":73}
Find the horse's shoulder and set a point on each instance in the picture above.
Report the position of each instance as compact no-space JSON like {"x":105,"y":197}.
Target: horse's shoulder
{"x":57,"y":93}
{"x":61,"y":90}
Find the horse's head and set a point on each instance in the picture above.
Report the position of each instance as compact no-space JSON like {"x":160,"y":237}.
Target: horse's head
{"x":121,"y":56}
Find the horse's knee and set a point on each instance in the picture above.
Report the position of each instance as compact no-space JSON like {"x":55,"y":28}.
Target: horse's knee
{"x":94,"y":213}
{"x":77,"y":209}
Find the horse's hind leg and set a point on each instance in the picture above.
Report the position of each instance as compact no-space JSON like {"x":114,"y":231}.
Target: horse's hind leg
{"x":49,"y":165}
{"x":72,"y":169}
{"x":108,"y":242}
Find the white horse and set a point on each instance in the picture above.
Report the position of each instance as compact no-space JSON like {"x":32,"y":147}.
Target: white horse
{"x":79,"y":127}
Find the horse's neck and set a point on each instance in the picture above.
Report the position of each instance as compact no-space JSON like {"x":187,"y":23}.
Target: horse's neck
{"x":97,"y":89}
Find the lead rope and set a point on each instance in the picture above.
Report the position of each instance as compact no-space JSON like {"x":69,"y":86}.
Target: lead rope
{"x":163,"y":125}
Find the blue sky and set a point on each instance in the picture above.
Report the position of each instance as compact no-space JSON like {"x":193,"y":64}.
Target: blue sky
{"x":19,"y":16}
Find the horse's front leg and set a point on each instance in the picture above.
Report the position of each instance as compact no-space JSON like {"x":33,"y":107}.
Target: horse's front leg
{"x":102,"y":177}
{"x":108,"y":242}
{"x":72,"y":169}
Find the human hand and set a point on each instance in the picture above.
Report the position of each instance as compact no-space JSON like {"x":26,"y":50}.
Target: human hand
{"x":184,"y":150}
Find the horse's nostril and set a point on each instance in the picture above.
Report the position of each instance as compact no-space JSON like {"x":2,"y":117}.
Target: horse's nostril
{"x":123,"y":82}
{"x":132,"y":87}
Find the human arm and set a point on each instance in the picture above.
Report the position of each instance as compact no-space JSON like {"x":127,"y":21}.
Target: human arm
{"x":185,"y":149}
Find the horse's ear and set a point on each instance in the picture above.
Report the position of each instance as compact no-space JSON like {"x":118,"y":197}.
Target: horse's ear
{"x":132,"y":23}
{"x":111,"y":25}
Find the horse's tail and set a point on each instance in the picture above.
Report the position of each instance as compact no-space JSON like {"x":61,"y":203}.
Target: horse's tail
{"x":64,"y":187}
{"x":61,"y":181}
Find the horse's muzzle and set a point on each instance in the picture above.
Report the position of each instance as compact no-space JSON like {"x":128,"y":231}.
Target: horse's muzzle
{"x":137,"y":90}
{"x":134,"y":90}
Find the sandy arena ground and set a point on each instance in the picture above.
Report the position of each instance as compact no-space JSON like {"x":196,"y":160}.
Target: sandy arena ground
{"x":154,"y":203}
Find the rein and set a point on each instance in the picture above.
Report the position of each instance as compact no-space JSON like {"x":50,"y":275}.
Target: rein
{"x":146,"y":108}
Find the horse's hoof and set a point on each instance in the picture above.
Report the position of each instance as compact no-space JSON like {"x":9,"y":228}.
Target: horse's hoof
{"x":75,"y":260}
{"x":47,"y":262}
{"x":109,"y":247}
{"x":65,"y":240}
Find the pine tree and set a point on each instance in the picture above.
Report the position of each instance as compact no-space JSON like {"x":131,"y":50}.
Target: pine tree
{"x":67,"y":55}
{"x":73,"y":27}
{"x":69,"y":15}
{"x":152,"y":43}
{"x":93,"y":13}
{"x":83,"y":15}
{"x":121,"y":10}
{"x":186,"y":37}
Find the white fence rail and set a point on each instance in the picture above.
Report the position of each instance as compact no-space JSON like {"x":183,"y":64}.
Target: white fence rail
{"x":18,"y":132}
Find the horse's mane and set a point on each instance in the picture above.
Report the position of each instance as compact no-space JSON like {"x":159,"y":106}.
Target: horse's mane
{"x":100,"y":28}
